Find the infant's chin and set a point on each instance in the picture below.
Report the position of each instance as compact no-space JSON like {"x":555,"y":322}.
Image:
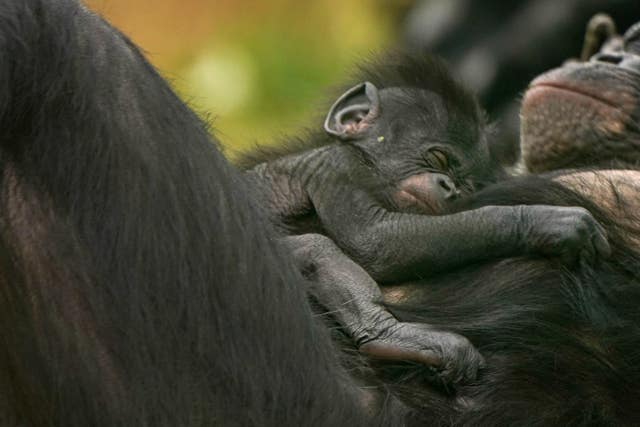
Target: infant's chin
{"x":409,"y":202}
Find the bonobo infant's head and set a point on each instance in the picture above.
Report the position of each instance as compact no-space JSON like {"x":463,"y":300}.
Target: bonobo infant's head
{"x":419,"y":129}
{"x":586,"y":113}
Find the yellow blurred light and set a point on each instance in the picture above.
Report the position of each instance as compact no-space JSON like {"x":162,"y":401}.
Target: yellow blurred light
{"x":221,"y":81}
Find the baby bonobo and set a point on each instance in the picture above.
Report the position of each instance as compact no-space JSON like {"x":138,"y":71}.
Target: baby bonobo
{"x":395,"y":151}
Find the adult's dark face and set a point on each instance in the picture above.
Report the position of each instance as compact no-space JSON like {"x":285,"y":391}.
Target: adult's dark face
{"x":586,"y":113}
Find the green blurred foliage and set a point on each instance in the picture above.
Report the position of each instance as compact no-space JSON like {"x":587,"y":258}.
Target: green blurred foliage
{"x":260,"y":68}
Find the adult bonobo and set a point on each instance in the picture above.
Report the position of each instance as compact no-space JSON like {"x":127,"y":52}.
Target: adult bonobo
{"x":406,"y":141}
{"x":560,"y":343}
{"x":586,"y":114}
{"x":139,"y":285}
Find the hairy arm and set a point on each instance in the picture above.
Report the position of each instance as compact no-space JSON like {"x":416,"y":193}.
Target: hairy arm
{"x":279,"y":186}
{"x":394,"y":246}
{"x":355,"y":301}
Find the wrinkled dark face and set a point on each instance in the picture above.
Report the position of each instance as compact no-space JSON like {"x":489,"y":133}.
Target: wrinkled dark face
{"x":428,"y":154}
{"x":585,"y":113}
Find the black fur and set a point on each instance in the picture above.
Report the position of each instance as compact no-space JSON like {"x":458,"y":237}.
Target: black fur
{"x":561,"y":343}
{"x":139,"y":286}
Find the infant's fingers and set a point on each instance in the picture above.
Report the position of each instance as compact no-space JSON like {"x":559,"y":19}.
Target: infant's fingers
{"x":601,"y":242}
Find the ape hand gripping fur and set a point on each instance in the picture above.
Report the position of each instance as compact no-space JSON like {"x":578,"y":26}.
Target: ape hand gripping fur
{"x":407,"y":142}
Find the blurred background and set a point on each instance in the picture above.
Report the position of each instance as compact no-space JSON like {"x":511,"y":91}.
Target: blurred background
{"x":260,"y":67}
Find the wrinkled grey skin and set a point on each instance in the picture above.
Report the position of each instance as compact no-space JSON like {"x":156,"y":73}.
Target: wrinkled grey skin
{"x":586,"y":113}
{"x":367,"y":191}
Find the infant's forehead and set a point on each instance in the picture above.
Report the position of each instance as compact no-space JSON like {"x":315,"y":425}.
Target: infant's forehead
{"x":416,"y":105}
{"x":411,"y":96}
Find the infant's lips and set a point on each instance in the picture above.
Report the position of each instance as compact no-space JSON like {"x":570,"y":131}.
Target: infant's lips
{"x":417,"y":186}
{"x":408,"y":198}
{"x":416,"y":191}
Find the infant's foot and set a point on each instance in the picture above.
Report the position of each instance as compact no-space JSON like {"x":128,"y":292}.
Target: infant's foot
{"x":452,"y":357}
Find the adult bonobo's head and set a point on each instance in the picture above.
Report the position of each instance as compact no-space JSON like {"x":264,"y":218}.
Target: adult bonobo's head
{"x":586,"y":113}
{"x":415,"y":126}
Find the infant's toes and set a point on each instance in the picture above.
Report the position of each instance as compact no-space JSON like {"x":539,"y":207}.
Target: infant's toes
{"x":462,"y":361}
{"x":409,"y":352}
{"x":451,"y":357}
{"x":475,"y":362}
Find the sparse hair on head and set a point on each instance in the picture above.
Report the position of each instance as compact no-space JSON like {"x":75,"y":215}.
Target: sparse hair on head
{"x":404,"y":68}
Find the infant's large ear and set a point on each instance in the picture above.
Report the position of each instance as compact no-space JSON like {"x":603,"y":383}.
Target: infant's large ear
{"x":354,"y":112}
